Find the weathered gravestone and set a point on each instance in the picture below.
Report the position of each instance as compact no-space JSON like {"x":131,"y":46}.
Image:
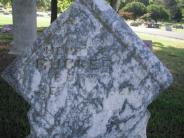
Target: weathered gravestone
{"x":88,"y":76}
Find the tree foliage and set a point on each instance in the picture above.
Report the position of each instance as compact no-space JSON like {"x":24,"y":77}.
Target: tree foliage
{"x":137,"y":8}
{"x":177,"y":15}
{"x":64,"y":4}
{"x":157,"y":13}
{"x":43,"y":4}
{"x":6,"y":2}
{"x":173,"y":6}
{"x":145,"y":2}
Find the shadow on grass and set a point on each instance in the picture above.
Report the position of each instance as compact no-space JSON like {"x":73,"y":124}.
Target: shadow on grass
{"x":13,"y":108}
{"x":41,"y":29}
{"x":13,"y":113}
{"x":173,"y":58}
{"x":5,"y":37}
{"x":167,"y":120}
{"x":8,"y":37}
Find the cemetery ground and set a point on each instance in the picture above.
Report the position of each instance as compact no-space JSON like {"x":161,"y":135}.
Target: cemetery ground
{"x":167,"y":120}
{"x":41,"y":21}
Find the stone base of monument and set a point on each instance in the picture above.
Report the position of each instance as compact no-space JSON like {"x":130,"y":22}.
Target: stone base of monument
{"x":88,"y":76}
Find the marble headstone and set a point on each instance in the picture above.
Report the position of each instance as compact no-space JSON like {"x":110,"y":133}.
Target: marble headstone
{"x":88,"y":76}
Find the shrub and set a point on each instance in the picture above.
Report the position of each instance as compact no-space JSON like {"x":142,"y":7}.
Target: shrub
{"x":157,"y":13}
{"x":64,"y":4}
{"x":145,"y":2}
{"x":136,"y":23}
{"x":126,"y":15}
{"x":146,"y":17}
{"x":137,"y":8}
{"x":178,"y":26}
{"x":177,"y":16}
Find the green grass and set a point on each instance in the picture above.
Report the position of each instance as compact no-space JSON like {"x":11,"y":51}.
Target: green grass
{"x":4,"y":37}
{"x":41,"y":21}
{"x":13,"y":109}
{"x":5,"y":20}
{"x":167,"y":120}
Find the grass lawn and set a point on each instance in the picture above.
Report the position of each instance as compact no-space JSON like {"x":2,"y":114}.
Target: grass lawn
{"x":4,"y":37}
{"x":172,"y":24}
{"x":162,"y":26}
{"x":167,"y":120}
{"x":5,"y":19}
{"x":173,"y":29}
{"x":41,"y":21}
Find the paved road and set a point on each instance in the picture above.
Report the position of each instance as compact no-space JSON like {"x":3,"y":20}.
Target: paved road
{"x":157,"y":32}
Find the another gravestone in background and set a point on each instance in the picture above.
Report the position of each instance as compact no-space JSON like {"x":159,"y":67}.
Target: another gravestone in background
{"x":148,"y":43}
{"x":88,"y":76}
{"x":168,"y":28}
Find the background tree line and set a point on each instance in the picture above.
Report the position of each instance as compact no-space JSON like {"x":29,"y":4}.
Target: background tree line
{"x":154,"y":9}
{"x":147,"y":9}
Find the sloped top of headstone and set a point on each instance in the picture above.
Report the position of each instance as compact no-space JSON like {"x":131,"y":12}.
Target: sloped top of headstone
{"x":88,"y":76}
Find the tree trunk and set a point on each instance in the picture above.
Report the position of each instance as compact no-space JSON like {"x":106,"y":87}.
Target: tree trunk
{"x":53,"y":10}
{"x":24,"y":22}
{"x":115,"y":4}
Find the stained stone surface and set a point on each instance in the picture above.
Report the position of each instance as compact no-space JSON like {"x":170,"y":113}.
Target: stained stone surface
{"x":88,"y":76}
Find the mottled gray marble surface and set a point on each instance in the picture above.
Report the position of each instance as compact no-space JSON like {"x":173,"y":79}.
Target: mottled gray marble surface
{"x":88,"y":76}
